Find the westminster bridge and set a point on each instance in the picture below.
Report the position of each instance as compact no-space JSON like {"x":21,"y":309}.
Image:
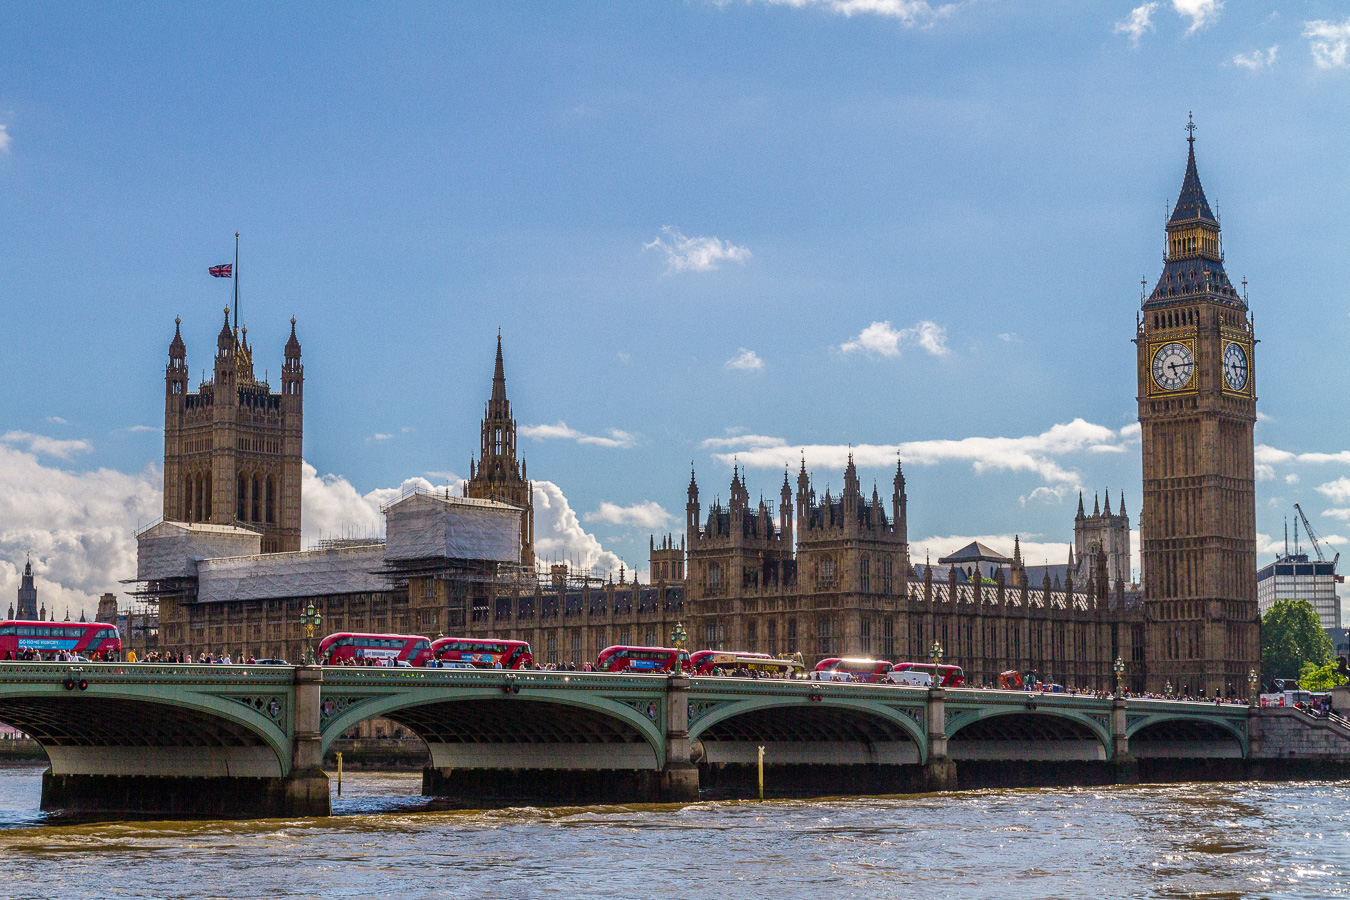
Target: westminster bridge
{"x":250,"y":740}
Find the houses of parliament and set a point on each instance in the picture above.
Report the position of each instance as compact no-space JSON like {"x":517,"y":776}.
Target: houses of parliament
{"x":816,"y":574}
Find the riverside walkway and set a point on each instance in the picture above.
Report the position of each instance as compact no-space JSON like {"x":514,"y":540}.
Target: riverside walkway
{"x":250,"y":740}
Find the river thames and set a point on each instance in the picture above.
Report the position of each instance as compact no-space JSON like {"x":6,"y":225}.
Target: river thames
{"x":1247,"y":840}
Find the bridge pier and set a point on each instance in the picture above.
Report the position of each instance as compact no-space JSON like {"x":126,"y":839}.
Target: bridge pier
{"x":679,"y":776}
{"x":306,"y":787}
{"x":1123,"y":763}
{"x":939,"y":771}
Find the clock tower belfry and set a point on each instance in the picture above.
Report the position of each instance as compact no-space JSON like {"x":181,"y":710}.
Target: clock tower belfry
{"x":1197,"y":408}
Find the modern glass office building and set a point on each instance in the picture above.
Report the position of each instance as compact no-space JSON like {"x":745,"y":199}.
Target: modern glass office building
{"x":1294,"y":577}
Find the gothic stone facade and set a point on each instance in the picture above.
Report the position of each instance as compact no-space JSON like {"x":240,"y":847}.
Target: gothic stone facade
{"x":497,"y":475}
{"x":232,"y":449}
{"x":849,"y":589}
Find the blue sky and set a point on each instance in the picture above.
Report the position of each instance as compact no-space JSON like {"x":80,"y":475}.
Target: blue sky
{"x":707,"y":231}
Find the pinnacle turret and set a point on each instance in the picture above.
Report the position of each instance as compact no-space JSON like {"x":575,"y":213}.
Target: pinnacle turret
{"x":293,"y":343}
{"x":177,"y":349}
{"x":225,"y":340}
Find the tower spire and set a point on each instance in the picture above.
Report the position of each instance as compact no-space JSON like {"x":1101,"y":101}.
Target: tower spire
{"x":499,"y":373}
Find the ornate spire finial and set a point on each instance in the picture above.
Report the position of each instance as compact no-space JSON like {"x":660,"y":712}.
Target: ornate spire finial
{"x":1190,"y":129}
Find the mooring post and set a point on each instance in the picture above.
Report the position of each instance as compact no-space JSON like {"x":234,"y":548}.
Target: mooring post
{"x":307,"y":785}
{"x":679,"y":777}
{"x":939,"y":772}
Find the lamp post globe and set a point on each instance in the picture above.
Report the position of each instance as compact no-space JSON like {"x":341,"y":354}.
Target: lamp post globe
{"x":678,"y":636}
{"x":1120,"y":676}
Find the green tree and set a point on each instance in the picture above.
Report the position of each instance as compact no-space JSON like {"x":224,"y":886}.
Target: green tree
{"x":1320,"y":678}
{"x":1291,"y":635}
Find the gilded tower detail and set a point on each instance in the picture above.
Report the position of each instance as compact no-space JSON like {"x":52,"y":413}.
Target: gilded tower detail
{"x":497,"y":475}
{"x":1197,"y":408}
{"x":232,"y":450}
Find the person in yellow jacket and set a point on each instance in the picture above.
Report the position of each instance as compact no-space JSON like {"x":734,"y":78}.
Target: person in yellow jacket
{"x":131,"y":656}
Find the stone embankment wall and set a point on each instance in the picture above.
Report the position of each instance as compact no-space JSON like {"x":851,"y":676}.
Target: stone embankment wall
{"x":1285,"y":733}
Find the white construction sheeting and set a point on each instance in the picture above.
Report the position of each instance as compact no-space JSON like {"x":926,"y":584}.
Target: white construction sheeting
{"x":308,"y":573}
{"x":424,"y":526}
{"x":173,"y":549}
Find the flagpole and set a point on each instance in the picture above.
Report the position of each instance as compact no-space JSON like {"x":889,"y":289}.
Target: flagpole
{"x":236,"y":282}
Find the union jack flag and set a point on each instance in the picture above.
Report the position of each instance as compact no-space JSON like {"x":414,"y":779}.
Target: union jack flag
{"x":225,"y":271}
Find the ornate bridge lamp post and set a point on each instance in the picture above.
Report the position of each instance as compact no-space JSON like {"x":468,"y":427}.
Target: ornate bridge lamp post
{"x":937,"y":661}
{"x":1252,"y":681}
{"x":1120,"y":676}
{"x":311,"y":618}
{"x":1167,"y":690}
{"x":678,"y":636}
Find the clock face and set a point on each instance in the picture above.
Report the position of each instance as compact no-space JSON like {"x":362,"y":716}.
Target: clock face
{"x":1172,"y":366}
{"x":1235,"y":367}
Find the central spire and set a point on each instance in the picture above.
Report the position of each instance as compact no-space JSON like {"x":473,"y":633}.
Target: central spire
{"x":1191,"y":203}
{"x":1193,"y":261}
{"x":499,"y":374}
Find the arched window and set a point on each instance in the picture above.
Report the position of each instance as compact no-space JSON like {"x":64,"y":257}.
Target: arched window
{"x":242,"y":501}
{"x":257,"y":499}
{"x":271,"y":498}
{"x":206,"y":498}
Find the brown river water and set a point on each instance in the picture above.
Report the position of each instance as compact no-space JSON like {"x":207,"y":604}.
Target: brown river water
{"x":1246,"y":840}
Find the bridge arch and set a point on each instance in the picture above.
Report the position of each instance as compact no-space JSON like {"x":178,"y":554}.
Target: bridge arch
{"x":114,"y":729}
{"x":479,"y":727}
{"x":1033,"y":733}
{"x":1186,"y":736}
{"x":830,"y":731}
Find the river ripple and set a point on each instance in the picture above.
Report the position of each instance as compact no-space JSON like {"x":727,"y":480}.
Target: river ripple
{"x":1244,"y":840}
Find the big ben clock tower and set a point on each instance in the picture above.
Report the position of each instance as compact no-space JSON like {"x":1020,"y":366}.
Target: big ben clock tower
{"x":1197,"y":407}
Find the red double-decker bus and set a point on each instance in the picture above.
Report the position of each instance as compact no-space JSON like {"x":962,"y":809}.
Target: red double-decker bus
{"x":836,"y":669}
{"x":483,"y":654}
{"x":947,"y":676}
{"x":642,"y":660}
{"x":347,"y":648}
{"x":94,"y":640}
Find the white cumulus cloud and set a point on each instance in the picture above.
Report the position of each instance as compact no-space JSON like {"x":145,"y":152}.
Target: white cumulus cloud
{"x":1136,"y":23}
{"x":1041,"y":454}
{"x":558,"y":534}
{"x":745,"y":361}
{"x":882,"y":339}
{"x":4,"y":139}
{"x":648,"y":514}
{"x":695,"y":254}
{"x":1337,"y":491}
{"x":1257,"y":59}
{"x":1329,"y":42}
{"x":912,"y":13}
{"x":47,"y":446}
{"x":78,"y":526}
{"x":1200,"y":12}
{"x":614,"y":437}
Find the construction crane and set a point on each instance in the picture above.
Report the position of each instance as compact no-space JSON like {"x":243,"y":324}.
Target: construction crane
{"x":1312,"y":536}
